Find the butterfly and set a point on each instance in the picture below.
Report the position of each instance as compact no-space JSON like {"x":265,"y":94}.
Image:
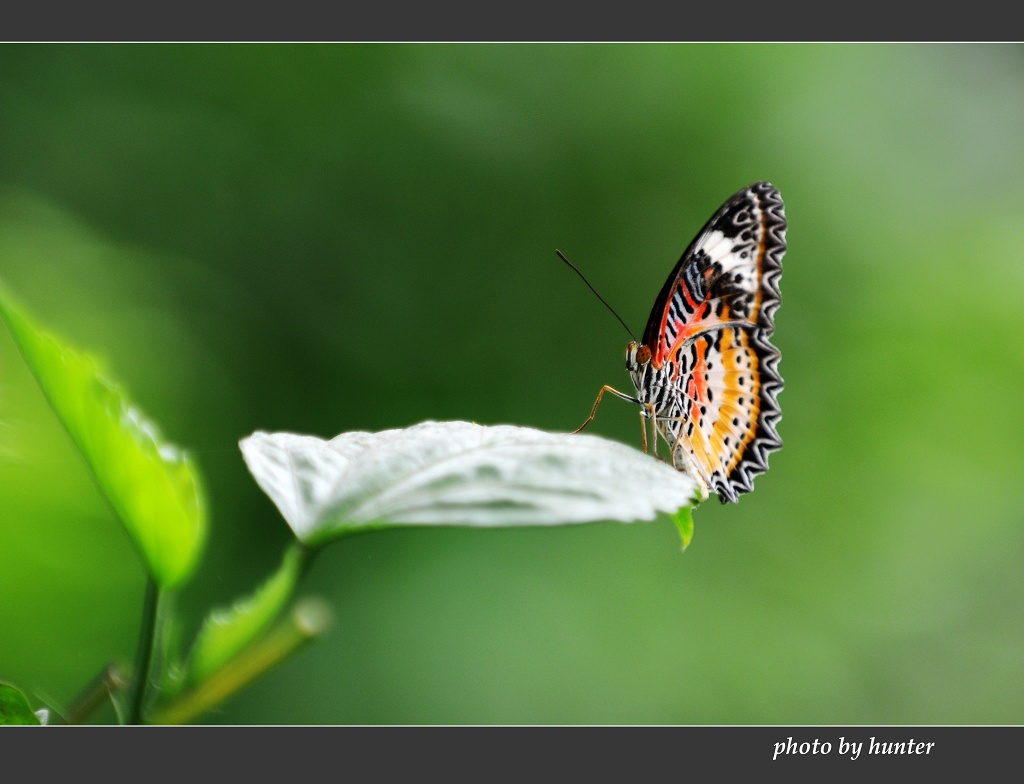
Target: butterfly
{"x":706,"y":373}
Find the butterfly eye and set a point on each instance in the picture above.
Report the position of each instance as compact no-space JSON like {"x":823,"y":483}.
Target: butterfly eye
{"x":643,"y":355}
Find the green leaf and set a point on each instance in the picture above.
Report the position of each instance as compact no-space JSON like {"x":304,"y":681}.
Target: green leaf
{"x":152,"y":485}
{"x":458,"y":473}
{"x":14,"y":708}
{"x":226,"y":631}
{"x":310,"y":618}
{"x":684,"y":523}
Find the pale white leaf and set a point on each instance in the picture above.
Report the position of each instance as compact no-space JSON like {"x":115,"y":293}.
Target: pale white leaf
{"x":459,"y":473}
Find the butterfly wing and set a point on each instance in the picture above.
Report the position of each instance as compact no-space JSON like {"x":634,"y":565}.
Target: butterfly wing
{"x":711,"y":326}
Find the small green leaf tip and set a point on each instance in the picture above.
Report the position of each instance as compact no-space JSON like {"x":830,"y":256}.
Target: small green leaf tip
{"x":684,"y":524}
{"x":309,"y":618}
{"x":14,"y":708}
{"x":227,"y":630}
{"x":151,"y":484}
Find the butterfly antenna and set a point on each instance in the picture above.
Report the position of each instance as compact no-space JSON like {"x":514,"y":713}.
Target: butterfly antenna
{"x":603,"y":300}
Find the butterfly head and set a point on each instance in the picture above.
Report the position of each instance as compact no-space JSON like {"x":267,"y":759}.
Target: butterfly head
{"x":641,"y":369}
{"x":637,"y":356}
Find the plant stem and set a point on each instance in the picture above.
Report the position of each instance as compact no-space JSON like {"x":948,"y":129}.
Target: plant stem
{"x":110,"y":680}
{"x":144,"y":652}
{"x":306,"y":555}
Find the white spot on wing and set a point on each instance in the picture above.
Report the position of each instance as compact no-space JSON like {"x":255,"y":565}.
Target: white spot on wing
{"x":720,"y":250}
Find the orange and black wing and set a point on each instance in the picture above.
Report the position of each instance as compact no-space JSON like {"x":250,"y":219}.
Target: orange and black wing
{"x":712,"y":324}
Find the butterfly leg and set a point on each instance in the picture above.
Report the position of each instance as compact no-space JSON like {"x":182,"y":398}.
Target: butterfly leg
{"x":593,"y":411}
{"x":648,"y":413}
{"x":674,"y":445}
{"x":678,"y":439}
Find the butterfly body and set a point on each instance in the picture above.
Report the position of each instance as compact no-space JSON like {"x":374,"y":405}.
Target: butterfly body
{"x":706,"y":372}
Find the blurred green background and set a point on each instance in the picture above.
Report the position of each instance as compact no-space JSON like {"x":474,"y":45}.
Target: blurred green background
{"x":323,"y":238}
